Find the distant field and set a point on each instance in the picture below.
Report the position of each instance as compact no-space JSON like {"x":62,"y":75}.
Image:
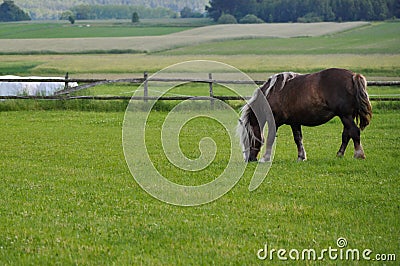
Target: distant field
{"x":83,"y":31}
{"x":373,"y":49}
{"x":380,"y":38}
{"x":106,"y":28}
{"x":166,"y":42}
{"x":128,"y":65}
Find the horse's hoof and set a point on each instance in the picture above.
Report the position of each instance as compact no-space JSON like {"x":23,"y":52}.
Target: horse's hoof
{"x":300,"y":159}
{"x":362,"y":156}
{"x":265,"y":160}
{"x":340,"y":155}
{"x":359,"y":154}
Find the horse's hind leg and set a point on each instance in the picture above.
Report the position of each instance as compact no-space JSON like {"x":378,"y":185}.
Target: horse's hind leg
{"x":345,"y":137}
{"x":298,"y":138}
{"x":351,"y":130}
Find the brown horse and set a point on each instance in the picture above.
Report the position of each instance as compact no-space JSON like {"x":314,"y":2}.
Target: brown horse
{"x":309,"y":100}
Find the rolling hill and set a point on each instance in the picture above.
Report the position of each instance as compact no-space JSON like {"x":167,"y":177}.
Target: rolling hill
{"x":173,"y":40}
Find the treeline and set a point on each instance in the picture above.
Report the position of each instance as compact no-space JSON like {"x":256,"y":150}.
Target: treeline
{"x":9,"y":11}
{"x":116,"y":12}
{"x":52,"y":9}
{"x":306,"y":10}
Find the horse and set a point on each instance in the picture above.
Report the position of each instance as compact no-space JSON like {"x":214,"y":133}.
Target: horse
{"x":305,"y":100}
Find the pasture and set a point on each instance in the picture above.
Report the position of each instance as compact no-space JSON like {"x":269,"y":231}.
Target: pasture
{"x":375,"y":66}
{"x":159,"y":42}
{"x":68,"y":196}
{"x":96,"y":28}
{"x":375,"y":38}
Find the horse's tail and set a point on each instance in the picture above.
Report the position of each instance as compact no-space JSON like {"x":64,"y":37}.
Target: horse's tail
{"x":364,"y":110}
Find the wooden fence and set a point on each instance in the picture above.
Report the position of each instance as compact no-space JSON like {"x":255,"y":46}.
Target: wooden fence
{"x":64,"y":94}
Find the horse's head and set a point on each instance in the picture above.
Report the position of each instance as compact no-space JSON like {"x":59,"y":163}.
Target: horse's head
{"x":251,"y":124}
{"x":256,"y":141}
{"x":251,"y":140}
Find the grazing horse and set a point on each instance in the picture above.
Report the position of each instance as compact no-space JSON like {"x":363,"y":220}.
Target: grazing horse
{"x":309,"y":100}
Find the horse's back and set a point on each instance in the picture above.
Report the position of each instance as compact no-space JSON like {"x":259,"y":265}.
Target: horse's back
{"x":313,"y":99}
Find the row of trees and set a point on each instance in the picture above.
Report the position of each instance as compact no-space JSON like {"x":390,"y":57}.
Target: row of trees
{"x":51,"y":9}
{"x":306,"y":10}
{"x":249,"y":11}
{"x":115,"y":12}
{"x":11,"y":12}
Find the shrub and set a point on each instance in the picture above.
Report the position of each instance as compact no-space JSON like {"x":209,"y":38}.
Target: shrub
{"x":251,"y":19}
{"x":310,"y":18}
{"x":227,"y":19}
{"x":135,"y":17}
{"x":186,"y":12}
{"x":71,"y":19}
{"x":66,"y":14}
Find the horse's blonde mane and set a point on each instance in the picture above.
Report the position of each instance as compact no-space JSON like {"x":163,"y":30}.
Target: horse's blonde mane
{"x":244,"y":128}
{"x":287,"y":76}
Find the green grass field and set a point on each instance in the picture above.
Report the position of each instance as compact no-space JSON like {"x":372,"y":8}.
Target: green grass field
{"x":376,"y":38}
{"x":93,"y":28}
{"x":68,"y":196}
{"x":373,"y":66}
{"x":81,"y":31}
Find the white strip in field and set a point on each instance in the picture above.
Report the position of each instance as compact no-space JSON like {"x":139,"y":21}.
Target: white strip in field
{"x":21,"y":88}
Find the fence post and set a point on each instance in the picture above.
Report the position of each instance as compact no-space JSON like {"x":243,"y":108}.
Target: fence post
{"x":66,"y":81}
{"x":211,"y":90}
{"x":145,"y":86}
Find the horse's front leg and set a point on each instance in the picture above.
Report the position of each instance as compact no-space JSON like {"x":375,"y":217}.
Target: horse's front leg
{"x":267,"y":157}
{"x":298,"y":138}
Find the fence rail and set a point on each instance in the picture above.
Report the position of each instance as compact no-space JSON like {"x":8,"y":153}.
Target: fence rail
{"x":88,"y":83}
{"x":141,"y":80}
